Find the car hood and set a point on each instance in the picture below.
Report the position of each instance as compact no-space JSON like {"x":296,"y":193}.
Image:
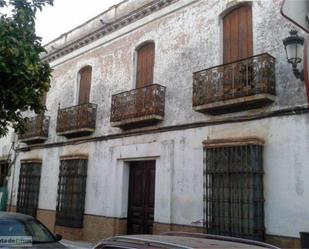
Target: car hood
{"x":55,"y":245}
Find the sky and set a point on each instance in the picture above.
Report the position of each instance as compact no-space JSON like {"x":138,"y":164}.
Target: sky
{"x":66,"y":15}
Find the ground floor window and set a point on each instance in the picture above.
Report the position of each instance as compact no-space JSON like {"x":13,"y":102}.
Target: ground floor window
{"x":71,"y":191}
{"x":233,"y":188}
{"x":4,"y":170}
{"x":29,"y":187}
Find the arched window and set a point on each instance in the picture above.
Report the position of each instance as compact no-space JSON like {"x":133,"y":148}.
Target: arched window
{"x":84,"y":85}
{"x":237,"y":34}
{"x":145,"y":64}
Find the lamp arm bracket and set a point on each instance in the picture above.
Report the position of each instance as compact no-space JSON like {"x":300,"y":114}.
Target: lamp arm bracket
{"x":299,"y":74}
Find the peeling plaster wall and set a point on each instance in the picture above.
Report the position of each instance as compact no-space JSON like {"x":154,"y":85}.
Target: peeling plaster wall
{"x":187,"y":40}
{"x":6,"y":143}
{"x":188,"y":37}
{"x":179,"y":172}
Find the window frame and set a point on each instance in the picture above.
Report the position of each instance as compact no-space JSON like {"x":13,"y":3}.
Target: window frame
{"x":224,"y":176}
{"x":29,"y":186}
{"x":71,"y":191}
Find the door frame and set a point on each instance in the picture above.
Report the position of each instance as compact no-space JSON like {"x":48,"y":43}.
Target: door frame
{"x":129,"y":183}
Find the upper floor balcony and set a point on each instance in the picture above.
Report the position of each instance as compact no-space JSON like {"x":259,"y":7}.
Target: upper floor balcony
{"x":77,"y":120}
{"x":36,"y":130}
{"x":138,"y":107}
{"x":240,"y":85}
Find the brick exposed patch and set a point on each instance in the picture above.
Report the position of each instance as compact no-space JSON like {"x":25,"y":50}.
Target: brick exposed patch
{"x":97,"y":227}
{"x":283,"y":242}
{"x":47,"y":217}
{"x":159,"y":228}
{"x":69,"y":233}
{"x":11,"y":208}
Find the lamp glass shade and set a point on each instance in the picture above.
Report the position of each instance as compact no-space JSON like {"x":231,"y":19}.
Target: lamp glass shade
{"x":294,"y":52}
{"x":294,"y":47}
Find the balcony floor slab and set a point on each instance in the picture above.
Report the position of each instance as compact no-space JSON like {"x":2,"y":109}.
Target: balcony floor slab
{"x":76,"y":132}
{"x":237,"y":104}
{"x":138,"y":122}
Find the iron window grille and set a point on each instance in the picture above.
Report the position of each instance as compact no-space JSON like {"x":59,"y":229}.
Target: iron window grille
{"x":71,"y":192}
{"x":233,"y":189}
{"x":29,"y":187}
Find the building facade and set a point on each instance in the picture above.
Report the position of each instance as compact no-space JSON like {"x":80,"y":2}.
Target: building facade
{"x":169,"y":115}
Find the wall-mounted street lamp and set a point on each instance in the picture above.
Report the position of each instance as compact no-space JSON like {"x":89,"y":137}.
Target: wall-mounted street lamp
{"x":293,"y":45}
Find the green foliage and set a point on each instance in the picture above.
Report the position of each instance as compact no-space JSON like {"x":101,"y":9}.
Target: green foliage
{"x":23,"y":77}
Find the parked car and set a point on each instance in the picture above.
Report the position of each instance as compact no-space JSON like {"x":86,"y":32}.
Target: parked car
{"x":179,"y":240}
{"x":16,"y":225}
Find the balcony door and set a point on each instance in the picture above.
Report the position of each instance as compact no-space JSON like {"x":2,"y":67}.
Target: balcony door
{"x":237,"y":34}
{"x":84,"y":85}
{"x":145,"y":65}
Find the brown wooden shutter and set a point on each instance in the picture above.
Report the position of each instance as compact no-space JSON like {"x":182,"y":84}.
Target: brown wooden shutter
{"x":145,"y":65}
{"x":237,"y":34}
{"x":85,"y":85}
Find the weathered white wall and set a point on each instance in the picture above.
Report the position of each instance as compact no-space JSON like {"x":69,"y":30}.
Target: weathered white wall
{"x":179,"y":172}
{"x":6,"y":143}
{"x":188,"y":37}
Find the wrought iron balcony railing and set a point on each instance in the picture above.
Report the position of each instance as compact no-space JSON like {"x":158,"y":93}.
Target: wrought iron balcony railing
{"x":138,"y":107}
{"x":77,"y":120}
{"x":239,"y":85}
{"x":36,"y":130}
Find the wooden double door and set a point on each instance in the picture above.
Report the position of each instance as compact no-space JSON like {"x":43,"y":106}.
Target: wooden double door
{"x":141,"y":197}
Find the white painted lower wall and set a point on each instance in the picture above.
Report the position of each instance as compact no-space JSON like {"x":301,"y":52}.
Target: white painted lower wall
{"x":179,"y":172}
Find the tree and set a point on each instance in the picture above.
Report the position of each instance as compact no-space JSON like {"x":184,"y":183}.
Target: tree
{"x":24,"y":78}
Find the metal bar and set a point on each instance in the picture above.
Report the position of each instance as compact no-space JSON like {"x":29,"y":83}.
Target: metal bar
{"x":36,"y":126}
{"x":77,"y":117}
{"x":248,"y":58}
{"x":232,"y":80}
{"x":28,"y":188}
{"x":140,"y":102}
{"x":71,"y":193}
{"x":235,"y":191}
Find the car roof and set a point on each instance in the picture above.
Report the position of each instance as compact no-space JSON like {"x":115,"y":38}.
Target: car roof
{"x":221,"y":237}
{"x":181,"y":242}
{"x":15,"y":216}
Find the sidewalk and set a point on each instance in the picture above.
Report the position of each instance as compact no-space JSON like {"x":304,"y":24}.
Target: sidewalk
{"x":77,"y":244}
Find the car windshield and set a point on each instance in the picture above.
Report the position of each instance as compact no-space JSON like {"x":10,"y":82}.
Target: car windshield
{"x":31,"y":228}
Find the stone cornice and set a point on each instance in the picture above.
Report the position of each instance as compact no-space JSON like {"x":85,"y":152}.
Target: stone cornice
{"x":107,"y":29}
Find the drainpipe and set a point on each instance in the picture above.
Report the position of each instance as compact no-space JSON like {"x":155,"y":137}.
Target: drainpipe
{"x":12,"y":167}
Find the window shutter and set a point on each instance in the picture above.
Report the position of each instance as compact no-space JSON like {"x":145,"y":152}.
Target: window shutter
{"x":145,"y":65}
{"x":85,"y":85}
{"x":237,"y":34}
